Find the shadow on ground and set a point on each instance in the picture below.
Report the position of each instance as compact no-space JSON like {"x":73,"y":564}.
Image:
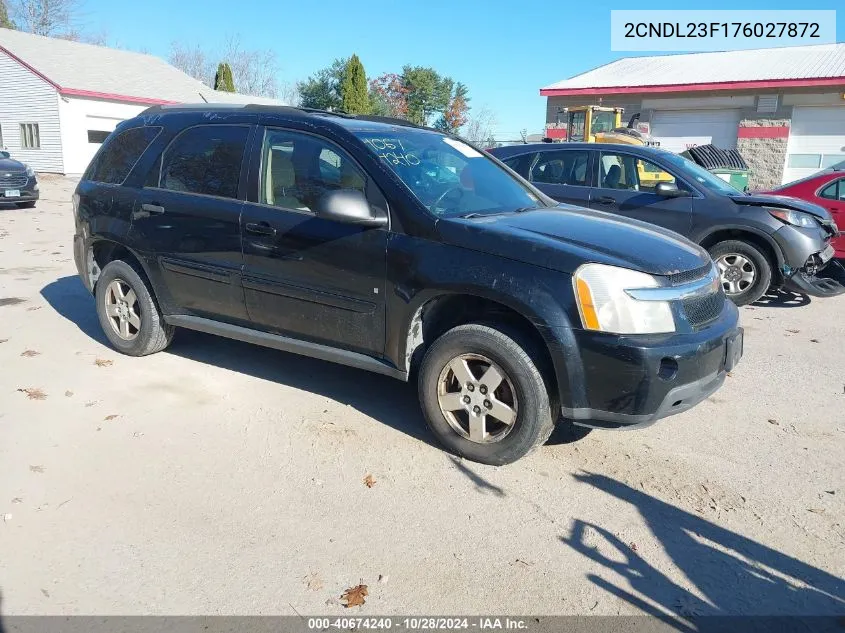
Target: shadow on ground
{"x":390,"y":401}
{"x":782,"y":299}
{"x":731,"y":574}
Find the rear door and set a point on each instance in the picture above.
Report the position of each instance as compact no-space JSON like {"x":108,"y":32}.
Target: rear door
{"x":563,"y":175}
{"x":187,"y":217}
{"x":832,"y":196}
{"x":627,"y":186}
{"x":308,"y":277}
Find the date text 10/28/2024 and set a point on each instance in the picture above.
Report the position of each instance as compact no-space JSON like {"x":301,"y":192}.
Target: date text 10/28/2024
{"x":419,"y":623}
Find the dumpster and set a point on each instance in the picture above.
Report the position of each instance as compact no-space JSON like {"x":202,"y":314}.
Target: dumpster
{"x":728,"y":164}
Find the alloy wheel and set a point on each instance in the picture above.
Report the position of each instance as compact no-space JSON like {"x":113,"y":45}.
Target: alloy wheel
{"x":737,"y":273}
{"x":122,"y":310}
{"x":477,"y":398}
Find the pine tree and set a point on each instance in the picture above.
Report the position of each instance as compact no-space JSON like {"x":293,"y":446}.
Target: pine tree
{"x":353,"y":88}
{"x":5,"y":22}
{"x":223,"y":79}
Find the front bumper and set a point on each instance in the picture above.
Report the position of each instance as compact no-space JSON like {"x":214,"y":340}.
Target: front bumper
{"x":633,"y":381}
{"x":806,"y":252}
{"x":28,"y":193}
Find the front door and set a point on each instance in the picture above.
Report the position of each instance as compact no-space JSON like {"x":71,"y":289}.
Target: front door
{"x":627,"y":186}
{"x":833,"y":198}
{"x":188,"y":217}
{"x":304,"y":276}
{"x":563,"y":175}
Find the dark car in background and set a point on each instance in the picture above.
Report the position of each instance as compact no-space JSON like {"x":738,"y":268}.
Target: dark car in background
{"x":18,"y":184}
{"x":397,"y":249}
{"x":757,"y":241}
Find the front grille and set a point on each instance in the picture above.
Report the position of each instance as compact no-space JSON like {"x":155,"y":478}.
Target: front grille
{"x":702,"y":310}
{"x":13,"y":181}
{"x":676,"y":279}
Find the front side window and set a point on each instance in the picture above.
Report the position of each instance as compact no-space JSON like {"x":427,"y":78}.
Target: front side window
{"x":30,"y":136}
{"x":117,"y":158}
{"x":297,"y":169}
{"x":623,"y":171}
{"x":561,"y":168}
{"x":834,"y":191}
{"x":449,"y":177}
{"x":205,"y":159}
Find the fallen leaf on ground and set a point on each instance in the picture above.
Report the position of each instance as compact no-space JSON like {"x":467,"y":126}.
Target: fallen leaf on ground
{"x":7,"y":518}
{"x":4,"y":340}
{"x":633,"y":546}
{"x":102,"y":362}
{"x":17,"y":500}
{"x":29,"y":353}
{"x":36,"y":469}
{"x":793,"y":331}
{"x":814,"y":340}
{"x":382,"y":579}
{"x":46,"y":593}
{"x":773,"y":421}
{"x":68,"y":393}
{"x":10,"y":301}
{"x":354,"y":596}
{"x":730,"y":375}
{"x":33,"y":308}
{"x":91,"y":404}
{"x":34,"y":393}
{"x":313,"y":581}
{"x":816,"y":510}
{"x":111,"y":417}
{"x":369,"y":482}
{"x":830,"y":492}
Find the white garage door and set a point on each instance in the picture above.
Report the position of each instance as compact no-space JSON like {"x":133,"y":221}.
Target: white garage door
{"x":678,"y":130}
{"x":816,"y":141}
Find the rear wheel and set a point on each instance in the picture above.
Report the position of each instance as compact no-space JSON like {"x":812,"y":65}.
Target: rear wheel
{"x":128,"y":314}
{"x":744,"y":270}
{"x":483,"y":396}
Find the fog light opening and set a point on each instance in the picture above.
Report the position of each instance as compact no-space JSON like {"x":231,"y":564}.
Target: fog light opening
{"x":676,"y":403}
{"x":668,"y":369}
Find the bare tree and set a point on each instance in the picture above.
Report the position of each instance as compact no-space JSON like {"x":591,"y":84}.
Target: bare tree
{"x":254,"y":71}
{"x":289,"y":93}
{"x":192,"y":61}
{"x":53,"y":18}
{"x":480,"y":126}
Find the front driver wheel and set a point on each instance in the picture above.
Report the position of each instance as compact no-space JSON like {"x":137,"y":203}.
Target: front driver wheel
{"x":744,"y":270}
{"x":483,"y":396}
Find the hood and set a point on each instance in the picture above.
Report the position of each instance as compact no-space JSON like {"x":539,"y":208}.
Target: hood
{"x":564,"y":237}
{"x":782,"y":202}
{"x":11,"y":165}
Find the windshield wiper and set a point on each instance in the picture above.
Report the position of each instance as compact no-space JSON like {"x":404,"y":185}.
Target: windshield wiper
{"x":470,"y":216}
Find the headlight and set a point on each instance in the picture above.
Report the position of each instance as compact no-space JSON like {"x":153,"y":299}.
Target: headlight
{"x":605,"y":306}
{"x":29,"y":171}
{"x":795,"y":218}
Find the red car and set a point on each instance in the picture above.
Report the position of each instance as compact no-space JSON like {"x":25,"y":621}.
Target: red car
{"x":826,"y":188}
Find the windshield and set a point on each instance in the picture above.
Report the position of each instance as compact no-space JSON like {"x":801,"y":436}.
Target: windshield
{"x":448,"y":177}
{"x":690,"y":170}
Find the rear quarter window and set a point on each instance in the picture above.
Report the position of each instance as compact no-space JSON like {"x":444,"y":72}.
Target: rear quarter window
{"x":119,"y":154}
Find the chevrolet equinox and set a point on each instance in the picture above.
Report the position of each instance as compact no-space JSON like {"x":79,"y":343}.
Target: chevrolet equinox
{"x":394,"y":248}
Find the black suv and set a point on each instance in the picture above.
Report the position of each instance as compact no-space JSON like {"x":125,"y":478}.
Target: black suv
{"x":757,"y":241}
{"x":400,"y":250}
{"x":18,"y":184}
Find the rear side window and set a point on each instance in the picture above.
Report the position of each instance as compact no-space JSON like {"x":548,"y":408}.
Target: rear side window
{"x":205,"y":159}
{"x":834,"y":191}
{"x":119,"y":155}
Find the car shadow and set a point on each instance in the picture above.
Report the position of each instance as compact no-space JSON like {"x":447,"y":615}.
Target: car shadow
{"x":725,"y":574}
{"x":782,"y":299}
{"x":388,"y":400}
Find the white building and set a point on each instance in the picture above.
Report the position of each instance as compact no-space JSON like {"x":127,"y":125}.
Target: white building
{"x":783,"y":108}
{"x":60,"y":99}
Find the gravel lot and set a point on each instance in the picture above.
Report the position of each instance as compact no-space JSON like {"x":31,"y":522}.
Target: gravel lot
{"x":221,"y":478}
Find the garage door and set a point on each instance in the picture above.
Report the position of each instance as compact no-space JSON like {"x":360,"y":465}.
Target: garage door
{"x":678,"y":130}
{"x":816,"y":141}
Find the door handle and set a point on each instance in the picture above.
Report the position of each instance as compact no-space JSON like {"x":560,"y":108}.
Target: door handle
{"x":606,"y":200}
{"x":260,"y":228}
{"x":156,"y":209}
{"x":147,"y":210}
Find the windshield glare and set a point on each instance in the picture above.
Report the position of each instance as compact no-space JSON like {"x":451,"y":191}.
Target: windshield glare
{"x":447,"y":176}
{"x":690,"y":170}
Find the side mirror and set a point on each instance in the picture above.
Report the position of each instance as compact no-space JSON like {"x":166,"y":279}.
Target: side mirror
{"x":669,"y":190}
{"x":349,"y":206}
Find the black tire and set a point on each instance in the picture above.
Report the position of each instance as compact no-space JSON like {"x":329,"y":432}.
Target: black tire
{"x":26,"y":205}
{"x":761,"y":264}
{"x":534,"y":420}
{"x":154,"y":334}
